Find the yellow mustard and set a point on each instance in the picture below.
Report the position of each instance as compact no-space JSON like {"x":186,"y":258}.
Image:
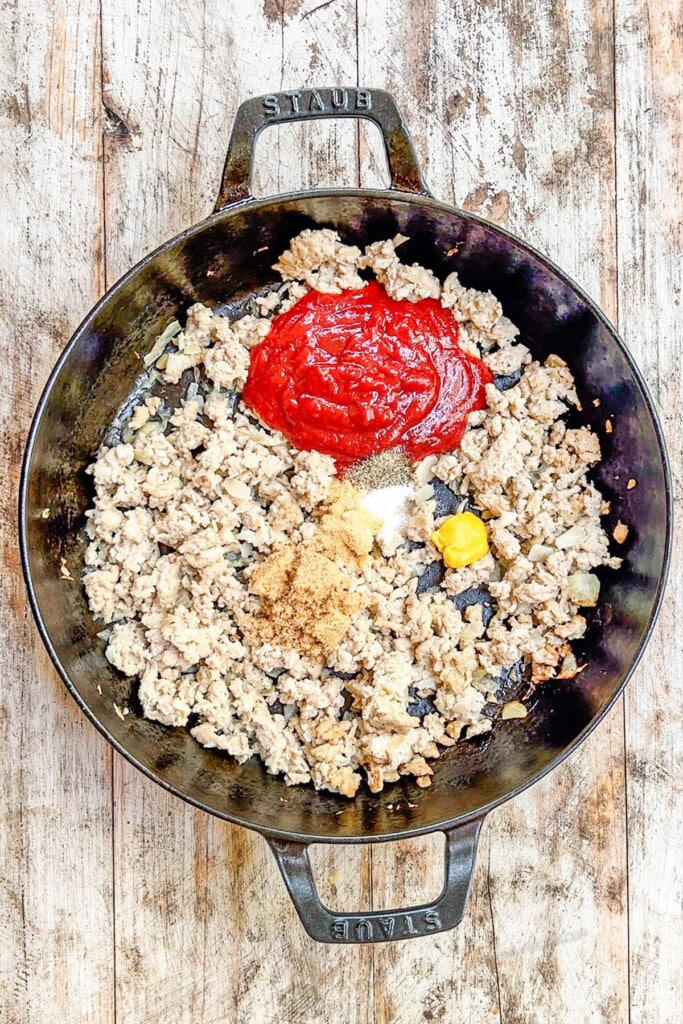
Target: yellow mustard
{"x":461,"y":540}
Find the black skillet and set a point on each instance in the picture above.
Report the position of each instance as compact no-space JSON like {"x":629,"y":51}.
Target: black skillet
{"x":222,"y":261}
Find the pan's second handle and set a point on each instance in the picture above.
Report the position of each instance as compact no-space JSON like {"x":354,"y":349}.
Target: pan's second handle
{"x":324,"y":925}
{"x":304,"y":105}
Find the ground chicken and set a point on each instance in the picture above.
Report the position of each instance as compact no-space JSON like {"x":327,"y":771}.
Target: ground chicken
{"x":195,"y":511}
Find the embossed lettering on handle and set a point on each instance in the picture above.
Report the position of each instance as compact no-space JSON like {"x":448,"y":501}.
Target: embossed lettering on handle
{"x":316,"y":102}
{"x":322,"y":924}
{"x":303,"y":104}
{"x":352,"y":928}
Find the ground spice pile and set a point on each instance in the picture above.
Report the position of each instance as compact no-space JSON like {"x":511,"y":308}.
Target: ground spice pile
{"x":346,"y":530}
{"x":306,"y":603}
{"x":306,"y":599}
{"x":387,"y":469}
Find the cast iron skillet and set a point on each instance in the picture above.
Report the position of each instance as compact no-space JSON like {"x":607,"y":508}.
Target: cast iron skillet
{"x":222,"y":261}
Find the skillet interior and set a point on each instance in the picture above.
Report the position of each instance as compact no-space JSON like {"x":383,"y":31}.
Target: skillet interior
{"x":229,"y":257}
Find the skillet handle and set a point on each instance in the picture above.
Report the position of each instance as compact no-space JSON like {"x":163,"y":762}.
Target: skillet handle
{"x":323,"y":925}
{"x":307,"y":104}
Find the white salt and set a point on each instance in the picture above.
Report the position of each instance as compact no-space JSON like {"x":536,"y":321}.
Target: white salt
{"x":391,"y":505}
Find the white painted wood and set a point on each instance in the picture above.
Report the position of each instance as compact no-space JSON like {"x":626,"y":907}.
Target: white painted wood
{"x":649,"y":57}
{"x":56,"y":959}
{"x":511,"y":111}
{"x":191,"y":891}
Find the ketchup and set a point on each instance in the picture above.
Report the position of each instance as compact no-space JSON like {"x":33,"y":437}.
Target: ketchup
{"x":354,"y":374}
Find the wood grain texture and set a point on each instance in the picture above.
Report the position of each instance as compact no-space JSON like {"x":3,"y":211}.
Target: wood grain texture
{"x":188,"y":888}
{"x":561,"y":121}
{"x":55,"y":804}
{"x":649,"y":58}
{"x":172,"y":899}
{"x":513,"y":111}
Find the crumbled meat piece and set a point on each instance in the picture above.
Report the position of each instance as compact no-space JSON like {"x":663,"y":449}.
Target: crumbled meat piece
{"x":321,"y":260}
{"x":401,"y":281}
{"x":142,"y":412}
{"x":227,"y":361}
{"x":312,"y":478}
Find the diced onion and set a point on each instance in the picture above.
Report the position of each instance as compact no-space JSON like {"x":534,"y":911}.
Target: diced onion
{"x":290,"y":711}
{"x":150,"y":427}
{"x":469,"y":633}
{"x":162,"y":341}
{"x":424,"y":493}
{"x":539,"y":552}
{"x":424,"y":471}
{"x":513,"y":709}
{"x":583,"y":588}
{"x":485,"y":684}
{"x":190,"y":348}
{"x":505,"y":519}
{"x":237,"y":489}
{"x":569,"y":667}
{"x":572,"y":537}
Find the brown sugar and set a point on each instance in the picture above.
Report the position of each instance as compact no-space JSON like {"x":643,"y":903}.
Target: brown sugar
{"x":306,"y":603}
{"x":305,"y":589}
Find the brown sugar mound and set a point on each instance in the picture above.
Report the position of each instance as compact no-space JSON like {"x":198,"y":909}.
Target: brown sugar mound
{"x":306,"y":602}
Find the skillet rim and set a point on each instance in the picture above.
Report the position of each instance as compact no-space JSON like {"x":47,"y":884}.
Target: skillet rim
{"x":414,"y":199}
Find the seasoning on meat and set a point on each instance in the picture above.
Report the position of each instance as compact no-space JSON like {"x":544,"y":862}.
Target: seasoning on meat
{"x":306,"y":603}
{"x":248,"y":589}
{"x":390,"y":468}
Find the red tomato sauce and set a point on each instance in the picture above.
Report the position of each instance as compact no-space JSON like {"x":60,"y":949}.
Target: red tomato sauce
{"x":354,"y":374}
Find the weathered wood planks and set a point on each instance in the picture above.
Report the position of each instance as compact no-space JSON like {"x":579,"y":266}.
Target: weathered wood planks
{"x":561,"y":122}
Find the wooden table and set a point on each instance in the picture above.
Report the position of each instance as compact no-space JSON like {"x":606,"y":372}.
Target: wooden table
{"x":561,"y":120}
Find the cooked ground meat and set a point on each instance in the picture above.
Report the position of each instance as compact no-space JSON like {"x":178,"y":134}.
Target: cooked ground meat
{"x":196,"y":498}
